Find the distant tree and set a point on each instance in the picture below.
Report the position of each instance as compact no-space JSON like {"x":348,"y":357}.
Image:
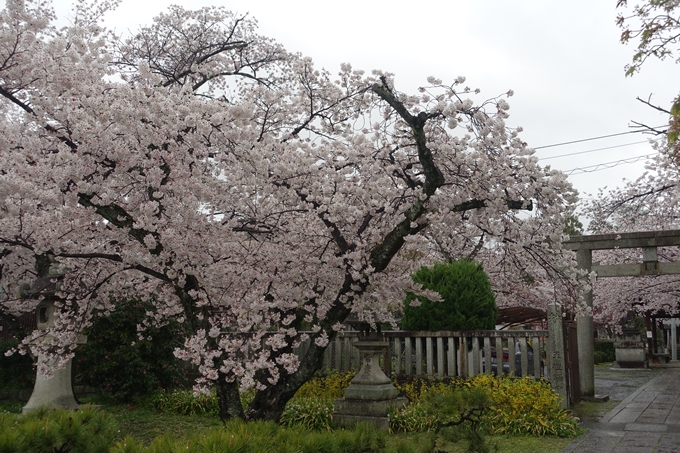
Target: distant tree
{"x":467,"y":300}
{"x":573,"y":226}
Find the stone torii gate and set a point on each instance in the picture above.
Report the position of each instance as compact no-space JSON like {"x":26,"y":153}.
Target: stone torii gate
{"x":648,"y":241}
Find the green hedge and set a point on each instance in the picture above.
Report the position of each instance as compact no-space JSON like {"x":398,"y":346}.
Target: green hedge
{"x":16,"y":370}
{"x":117,"y":362}
{"x":606,"y":347}
{"x":467,"y":300}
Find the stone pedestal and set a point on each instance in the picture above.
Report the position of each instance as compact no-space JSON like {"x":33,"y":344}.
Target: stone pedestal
{"x":630,"y":349}
{"x":55,"y":390}
{"x":371,"y":395}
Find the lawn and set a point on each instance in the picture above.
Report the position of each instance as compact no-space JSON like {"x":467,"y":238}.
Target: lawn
{"x":146,"y":423}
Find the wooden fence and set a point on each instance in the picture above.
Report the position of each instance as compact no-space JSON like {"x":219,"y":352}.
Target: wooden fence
{"x":450,"y":354}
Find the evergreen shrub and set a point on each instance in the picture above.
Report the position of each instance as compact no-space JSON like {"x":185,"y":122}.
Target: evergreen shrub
{"x":117,"y":362}
{"x":606,"y":347}
{"x":16,"y":370}
{"x":87,"y":430}
{"x":468,"y":303}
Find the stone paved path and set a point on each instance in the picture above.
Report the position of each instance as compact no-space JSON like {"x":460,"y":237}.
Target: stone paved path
{"x":648,"y":421}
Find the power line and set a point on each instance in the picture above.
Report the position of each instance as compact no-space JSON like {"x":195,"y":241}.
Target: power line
{"x":592,"y":150}
{"x":606,"y":165}
{"x":592,"y":138}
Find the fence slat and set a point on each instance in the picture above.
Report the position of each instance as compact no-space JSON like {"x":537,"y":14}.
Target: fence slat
{"x":499,"y":356}
{"x":487,"y":355}
{"x":429,"y":356}
{"x":451,"y":357}
{"x":525,"y":356}
{"x":476,"y":356}
{"x":419,"y":356}
{"x":408,"y":359}
{"x":396,"y":347}
{"x":462,"y":355}
{"x":440,"y":357}
{"x":511,"y":355}
{"x":337,"y":363}
{"x":536,"y":343}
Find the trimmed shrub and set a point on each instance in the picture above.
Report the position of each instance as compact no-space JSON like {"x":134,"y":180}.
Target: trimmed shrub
{"x":16,"y":370}
{"x":599,"y":357}
{"x":117,"y":362}
{"x":467,"y":300}
{"x":86,"y":430}
{"x":606,"y":347}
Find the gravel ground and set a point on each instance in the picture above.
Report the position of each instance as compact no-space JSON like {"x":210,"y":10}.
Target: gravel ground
{"x":619,"y":383}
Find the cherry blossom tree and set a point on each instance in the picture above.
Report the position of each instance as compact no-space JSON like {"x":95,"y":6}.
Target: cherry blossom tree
{"x":254,"y":198}
{"x":650,"y":203}
{"x":655,"y":26}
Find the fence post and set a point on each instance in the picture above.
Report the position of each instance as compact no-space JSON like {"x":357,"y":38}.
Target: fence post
{"x":556,"y":356}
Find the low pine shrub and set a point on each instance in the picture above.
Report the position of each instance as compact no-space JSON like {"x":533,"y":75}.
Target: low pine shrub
{"x":86,"y":430}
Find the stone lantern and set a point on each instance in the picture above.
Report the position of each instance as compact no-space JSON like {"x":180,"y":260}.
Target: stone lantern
{"x":55,"y":390}
{"x":370,"y":395}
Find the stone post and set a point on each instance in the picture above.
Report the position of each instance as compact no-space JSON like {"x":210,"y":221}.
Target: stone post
{"x":674,"y":340}
{"x":585,"y":332}
{"x":557,"y":372}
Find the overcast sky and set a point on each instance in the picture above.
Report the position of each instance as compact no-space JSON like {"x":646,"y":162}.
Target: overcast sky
{"x":563,"y":60}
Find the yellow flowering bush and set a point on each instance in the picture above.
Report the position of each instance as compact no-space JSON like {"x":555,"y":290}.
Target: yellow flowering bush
{"x":516,"y":406}
{"x":331,"y":385}
{"x":524,"y":406}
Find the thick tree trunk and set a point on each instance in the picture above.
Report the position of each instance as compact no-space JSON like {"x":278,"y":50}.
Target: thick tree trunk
{"x":270,"y":403}
{"x":229,"y":399}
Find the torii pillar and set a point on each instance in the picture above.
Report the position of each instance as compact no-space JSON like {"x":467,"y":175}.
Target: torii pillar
{"x":648,"y":241}
{"x":585,"y":332}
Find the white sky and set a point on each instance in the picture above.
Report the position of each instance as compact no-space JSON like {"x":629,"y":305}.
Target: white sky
{"x":563,"y":60}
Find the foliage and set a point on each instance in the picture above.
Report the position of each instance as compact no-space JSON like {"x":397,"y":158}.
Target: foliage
{"x":329,"y":385}
{"x":655,"y":25}
{"x":467,"y":300}
{"x":251,"y":193}
{"x":524,"y":406}
{"x":312,"y":413}
{"x":16,"y":370}
{"x":606,"y":347}
{"x":258,"y":436}
{"x":517,"y":406}
{"x":117,"y":361}
{"x":184,"y":402}
{"x":599,"y":357}
{"x":87,"y":430}
{"x":573,"y":226}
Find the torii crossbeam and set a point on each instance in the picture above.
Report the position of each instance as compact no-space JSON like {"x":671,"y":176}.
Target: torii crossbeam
{"x":648,"y":241}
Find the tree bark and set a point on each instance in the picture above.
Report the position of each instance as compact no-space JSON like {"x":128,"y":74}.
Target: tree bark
{"x":228,"y":399}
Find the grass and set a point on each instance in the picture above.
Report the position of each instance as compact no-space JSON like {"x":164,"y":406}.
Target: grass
{"x":145,"y":423}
